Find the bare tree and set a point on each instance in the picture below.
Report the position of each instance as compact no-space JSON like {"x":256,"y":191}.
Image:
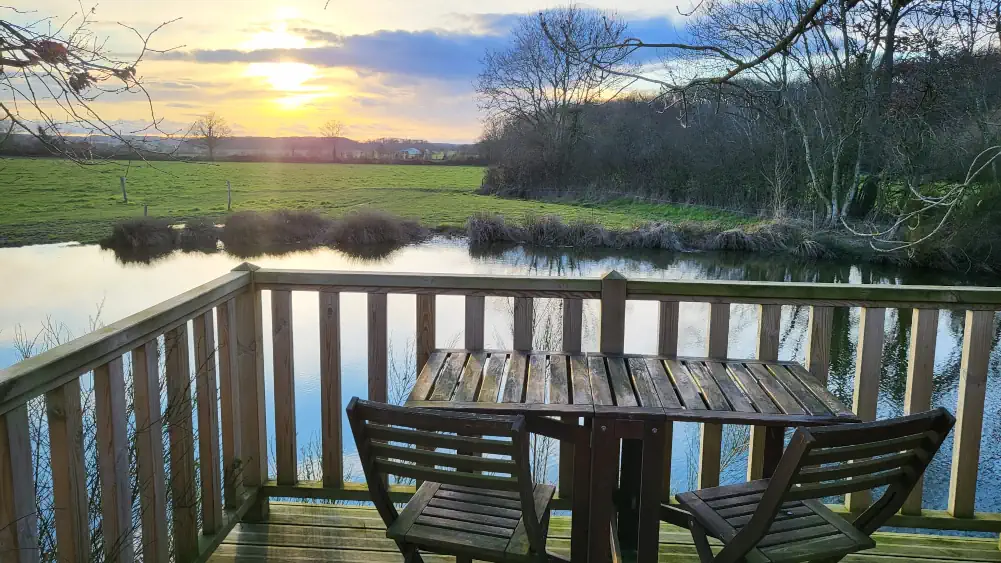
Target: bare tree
{"x":52,"y":72}
{"x":536,"y":85}
{"x":332,"y":130}
{"x":209,"y":131}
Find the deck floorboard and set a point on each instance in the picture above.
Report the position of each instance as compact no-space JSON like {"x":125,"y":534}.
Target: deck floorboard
{"x":317,"y":533}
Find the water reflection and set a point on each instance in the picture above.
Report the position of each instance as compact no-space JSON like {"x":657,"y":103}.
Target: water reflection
{"x":66,"y":282}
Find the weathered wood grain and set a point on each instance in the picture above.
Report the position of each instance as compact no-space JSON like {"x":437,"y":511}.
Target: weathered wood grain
{"x":207,"y":396}
{"x":331,"y":403}
{"x":113,"y":456}
{"x":151,"y":468}
{"x":978,"y":336}
{"x":920,"y":370}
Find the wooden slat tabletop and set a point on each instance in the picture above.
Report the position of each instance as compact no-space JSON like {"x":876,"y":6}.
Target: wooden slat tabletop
{"x":628,"y":386}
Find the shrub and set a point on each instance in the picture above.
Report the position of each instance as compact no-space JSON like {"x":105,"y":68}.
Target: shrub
{"x":143,"y":232}
{"x":373,"y":228}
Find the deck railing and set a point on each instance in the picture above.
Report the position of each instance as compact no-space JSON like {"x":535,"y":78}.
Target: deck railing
{"x":231,"y":478}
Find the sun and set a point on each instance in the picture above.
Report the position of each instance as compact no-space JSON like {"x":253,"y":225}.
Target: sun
{"x":285,"y":76}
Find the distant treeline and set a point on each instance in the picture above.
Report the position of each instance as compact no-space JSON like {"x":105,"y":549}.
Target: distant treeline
{"x":247,"y":149}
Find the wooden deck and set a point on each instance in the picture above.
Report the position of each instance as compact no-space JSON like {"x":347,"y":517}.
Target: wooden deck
{"x":308,"y":532}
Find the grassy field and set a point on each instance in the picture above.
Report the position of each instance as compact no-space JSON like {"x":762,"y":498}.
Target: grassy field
{"x":49,"y":200}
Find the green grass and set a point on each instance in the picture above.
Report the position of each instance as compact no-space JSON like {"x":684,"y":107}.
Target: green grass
{"x":49,"y":200}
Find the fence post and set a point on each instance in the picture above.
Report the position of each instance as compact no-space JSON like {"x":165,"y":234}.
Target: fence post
{"x":229,"y":196}
{"x":125,"y":195}
{"x":250,"y":372}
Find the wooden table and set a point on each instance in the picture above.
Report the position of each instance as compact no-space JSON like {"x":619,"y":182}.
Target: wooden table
{"x":626,"y":398}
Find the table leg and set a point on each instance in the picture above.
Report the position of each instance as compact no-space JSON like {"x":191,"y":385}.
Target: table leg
{"x":652,"y":482}
{"x":580,"y":506}
{"x":604,"y":447}
{"x":774,"y":443}
{"x":628,"y":499}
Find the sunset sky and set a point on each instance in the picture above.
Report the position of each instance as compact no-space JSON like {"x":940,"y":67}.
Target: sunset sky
{"x":383,"y":67}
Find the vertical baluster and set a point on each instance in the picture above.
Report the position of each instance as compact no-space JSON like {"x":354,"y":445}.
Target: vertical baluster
{"x":613,"y":313}
{"x":18,"y":525}
{"x":711,"y":441}
{"x":667,"y":346}
{"x":818,"y":347}
{"x":977,"y":342}
{"x":284,"y":370}
{"x":920,"y":369}
{"x":250,"y":370}
{"x":229,"y":398}
{"x":377,"y":347}
{"x":113,"y":460}
{"x":867,"y":366}
{"x":69,"y":478}
{"x":182,"y":444}
{"x":474,"y":324}
{"x":149,"y":453}
{"x":425,"y":328}
{"x":573,"y":313}
{"x":208,"y":422}
{"x":330,"y":388}
{"x":769,"y":320}
{"x":523,"y":323}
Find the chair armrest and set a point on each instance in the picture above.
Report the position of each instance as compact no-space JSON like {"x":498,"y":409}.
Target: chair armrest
{"x":675,"y":516}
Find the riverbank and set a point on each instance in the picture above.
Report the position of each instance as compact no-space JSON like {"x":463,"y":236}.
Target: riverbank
{"x":48,"y":200}
{"x":376,"y":234}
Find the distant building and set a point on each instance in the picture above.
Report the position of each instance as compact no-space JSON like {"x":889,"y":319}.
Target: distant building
{"x":408,"y":154}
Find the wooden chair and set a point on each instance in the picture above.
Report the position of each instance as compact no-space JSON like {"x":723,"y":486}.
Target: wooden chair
{"x":477,"y":499}
{"x":782,"y":519}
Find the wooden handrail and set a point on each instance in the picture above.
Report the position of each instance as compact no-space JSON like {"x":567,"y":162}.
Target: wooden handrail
{"x":704,"y":291}
{"x":36,"y":375}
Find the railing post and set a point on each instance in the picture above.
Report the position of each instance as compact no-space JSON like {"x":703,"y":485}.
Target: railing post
{"x":711,"y":442}
{"x":18,"y":522}
{"x":229,"y":399}
{"x":573,"y":313}
{"x":920,"y":369}
{"x":667,"y":346}
{"x":330,"y":388}
{"x":523,"y":320}
{"x":377,"y":348}
{"x":113,"y":461}
{"x":250,"y":372}
{"x":69,"y":478}
{"x":149,"y":453}
{"x":867,"y":367}
{"x":182,"y":444}
{"x":978,"y":338}
{"x":769,"y":322}
{"x":613,"y":313}
{"x":818,"y":345}
{"x":285,"y":434}
{"x":207,"y":394}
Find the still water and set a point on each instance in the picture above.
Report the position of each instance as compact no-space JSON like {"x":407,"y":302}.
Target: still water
{"x":69,"y":288}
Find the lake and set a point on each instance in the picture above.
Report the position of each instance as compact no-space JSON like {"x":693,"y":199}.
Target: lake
{"x":71,"y":287}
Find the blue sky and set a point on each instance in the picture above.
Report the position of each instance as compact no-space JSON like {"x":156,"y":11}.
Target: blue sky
{"x":383,"y":67}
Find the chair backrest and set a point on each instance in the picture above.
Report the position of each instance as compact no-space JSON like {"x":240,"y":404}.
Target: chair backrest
{"x":835,"y":460}
{"x":470,"y":450}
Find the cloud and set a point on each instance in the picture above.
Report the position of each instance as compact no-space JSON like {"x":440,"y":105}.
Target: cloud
{"x":443,"y":55}
{"x":430,"y":54}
